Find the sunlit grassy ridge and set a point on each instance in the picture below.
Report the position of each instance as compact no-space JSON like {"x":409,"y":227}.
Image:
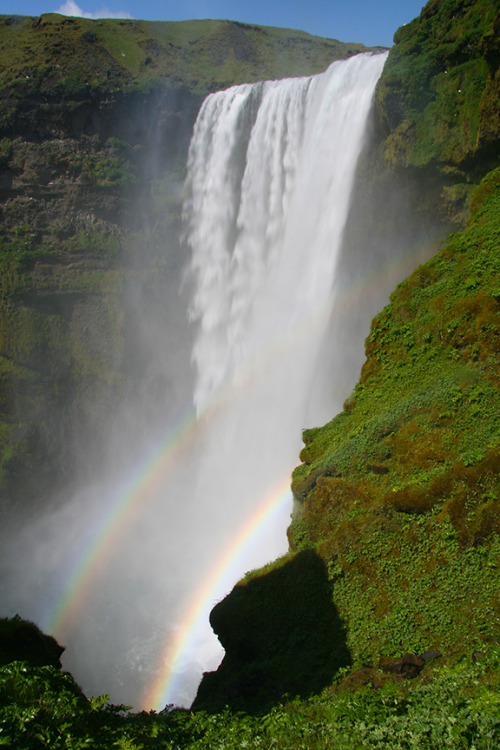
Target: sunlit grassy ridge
{"x":73,"y":56}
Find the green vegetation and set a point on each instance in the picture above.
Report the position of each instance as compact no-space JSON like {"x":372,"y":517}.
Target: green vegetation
{"x":76,"y":57}
{"x":457,"y":708}
{"x":439,"y":99}
{"x":399,"y":493}
{"x":440,"y":86}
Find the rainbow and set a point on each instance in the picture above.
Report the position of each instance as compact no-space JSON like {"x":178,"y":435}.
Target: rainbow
{"x":163,"y":688}
{"x":123,"y":507}
{"x":129,"y":498}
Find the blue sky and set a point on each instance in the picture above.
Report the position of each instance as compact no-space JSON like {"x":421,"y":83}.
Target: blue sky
{"x":368,"y":21}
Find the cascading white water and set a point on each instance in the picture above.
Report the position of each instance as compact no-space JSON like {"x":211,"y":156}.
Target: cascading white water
{"x":271,"y":166}
{"x":270,"y":171}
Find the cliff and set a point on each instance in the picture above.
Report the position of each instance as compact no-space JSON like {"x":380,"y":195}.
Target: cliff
{"x":95,"y":122}
{"x":438,"y":103}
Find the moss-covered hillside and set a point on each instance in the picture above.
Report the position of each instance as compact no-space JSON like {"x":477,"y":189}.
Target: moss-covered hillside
{"x":399,"y":493}
{"x":438,"y":102}
{"x":439,"y":92}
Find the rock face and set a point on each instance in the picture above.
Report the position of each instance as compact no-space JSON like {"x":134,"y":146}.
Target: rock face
{"x":439,"y":101}
{"x":95,"y":122}
{"x":21,"y":640}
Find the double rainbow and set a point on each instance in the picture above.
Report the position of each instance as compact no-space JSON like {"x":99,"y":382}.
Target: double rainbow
{"x":131,"y":497}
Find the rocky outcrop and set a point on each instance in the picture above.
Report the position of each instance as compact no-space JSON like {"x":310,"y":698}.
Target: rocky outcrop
{"x":21,"y":640}
{"x":281,"y":634}
{"x":438,"y":102}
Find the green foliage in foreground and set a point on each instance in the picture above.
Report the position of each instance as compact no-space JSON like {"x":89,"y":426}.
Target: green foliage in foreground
{"x":445,"y":708}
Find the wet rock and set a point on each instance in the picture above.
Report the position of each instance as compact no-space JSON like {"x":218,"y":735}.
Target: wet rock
{"x":430,"y":655}
{"x":407,"y":666}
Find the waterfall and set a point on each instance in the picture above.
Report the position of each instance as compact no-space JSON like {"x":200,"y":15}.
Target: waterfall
{"x":124,"y":572}
{"x":270,"y":171}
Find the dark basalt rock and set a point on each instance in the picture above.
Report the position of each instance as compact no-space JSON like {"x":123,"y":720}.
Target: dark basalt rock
{"x":21,"y":640}
{"x":282,"y":635}
{"x":407,"y":666}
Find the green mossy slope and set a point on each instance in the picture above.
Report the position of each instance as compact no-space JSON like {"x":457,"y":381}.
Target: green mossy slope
{"x":439,"y":90}
{"x":399,"y":493}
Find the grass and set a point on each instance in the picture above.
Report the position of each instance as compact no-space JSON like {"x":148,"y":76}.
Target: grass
{"x":76,"y":56}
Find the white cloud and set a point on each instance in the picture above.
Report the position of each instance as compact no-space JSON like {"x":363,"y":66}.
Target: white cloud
{"x":70,"y":8}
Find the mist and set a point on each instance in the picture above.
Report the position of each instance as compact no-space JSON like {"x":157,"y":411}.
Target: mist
{"x":251,"y":330}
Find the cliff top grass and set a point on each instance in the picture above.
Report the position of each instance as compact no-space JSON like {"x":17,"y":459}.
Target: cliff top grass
{"x":70,"y":56}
